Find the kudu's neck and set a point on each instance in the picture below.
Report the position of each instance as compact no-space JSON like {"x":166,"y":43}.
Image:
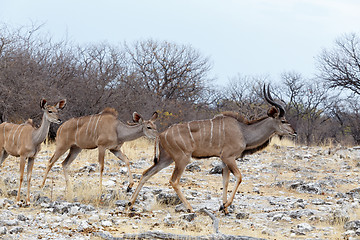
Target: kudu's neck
{"x":39,"y":135}
{"x":258,"y":133}
{"x":127,"y":132}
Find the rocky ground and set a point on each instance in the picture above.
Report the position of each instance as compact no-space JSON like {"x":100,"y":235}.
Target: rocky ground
{"x":287,"y":192}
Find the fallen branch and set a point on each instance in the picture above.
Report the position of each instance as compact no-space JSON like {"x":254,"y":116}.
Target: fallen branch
{"x":170,"y":236}
{"x":215,"y":220}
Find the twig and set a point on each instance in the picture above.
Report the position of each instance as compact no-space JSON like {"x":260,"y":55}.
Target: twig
{"x":215,"y":220}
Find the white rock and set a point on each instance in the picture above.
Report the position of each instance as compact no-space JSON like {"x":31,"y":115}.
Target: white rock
{"x":11,"y":222}
{"x":74,"y":210}
{"x":3,"y":230}
{"x":94,"y":218}
{"x":83,"y":226}
{"x":304,"y":227}
{"x":109,"y":183}
{"x":106,"y":223}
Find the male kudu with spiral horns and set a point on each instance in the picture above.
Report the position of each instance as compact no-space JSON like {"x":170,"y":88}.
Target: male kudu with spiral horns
{"x":227,"y":136}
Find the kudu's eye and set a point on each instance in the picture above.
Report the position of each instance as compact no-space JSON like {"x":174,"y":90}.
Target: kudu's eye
{"x":148,"y":127}
{"x":283,"y":121}
{"x":50,"y":111}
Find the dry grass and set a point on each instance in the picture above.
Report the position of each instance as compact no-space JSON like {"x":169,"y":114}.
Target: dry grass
{"x":85,"y":188}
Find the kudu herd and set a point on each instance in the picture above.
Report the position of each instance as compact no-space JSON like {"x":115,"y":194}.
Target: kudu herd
{"x":227,"y":136}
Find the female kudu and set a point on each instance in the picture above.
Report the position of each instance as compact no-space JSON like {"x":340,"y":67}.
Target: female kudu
{"x":24,"y":140}
{"x":227,"y":136}
{"x":102,"y":131}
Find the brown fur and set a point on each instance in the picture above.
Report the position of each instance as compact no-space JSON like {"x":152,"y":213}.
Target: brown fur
{"x":30,"y":122}
{"x":254,"y":150}
{"x":235,"y":115}
{"x":110,"y":111}
{"x":241,"y":118}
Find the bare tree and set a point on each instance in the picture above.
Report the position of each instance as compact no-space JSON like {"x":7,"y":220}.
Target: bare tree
{"x":340,"y":66}
{"x":99,"y":71}
{"x":169,"y":70}
{"x":22,"y":74}
{"x":242,"y":95}
{"x":347,"y":115}
{"x":309,"y":106}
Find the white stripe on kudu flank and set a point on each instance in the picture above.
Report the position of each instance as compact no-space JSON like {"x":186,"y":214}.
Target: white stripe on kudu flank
{"x":10,"y":132}
{"x":96,"y":125}
{"x":4,"y":133}
{"x":192,"y":138}
{"x":182,"y":140}
{"x":77,"y":129}
{"x":172,"y":132}
{"x":87,"y":127}
{"x":221,"y":124}
{"x":19,"y":136}
{"x":14,"y":134}
{"x":166,"y":133}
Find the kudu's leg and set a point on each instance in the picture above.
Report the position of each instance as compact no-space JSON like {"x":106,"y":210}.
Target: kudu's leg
{"x":231,"y":164}
{"x":22,"y":168}
{"x":3,"y":156}
{"x":125,"y":159}
{"x":164,"y":161}
{"x":101,"y":163}
{"x":74,"y":151}
{"x":29,"y":173}
{"x":225,"y":175}
{"x":180,"y":165}
{"x":58,"y":153}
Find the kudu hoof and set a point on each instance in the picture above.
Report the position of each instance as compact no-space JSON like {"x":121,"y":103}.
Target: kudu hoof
{"x":22,"y":203}
{"x":128,"y":189}
{"x":222,"y":208}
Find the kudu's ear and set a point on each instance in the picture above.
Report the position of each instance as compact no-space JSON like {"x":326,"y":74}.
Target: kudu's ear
{"x":43,"y":103}
{"x":273,"y":112}
{"x":61,"y":104}
{"x":137,"y":117}
{"x":154,"y":116}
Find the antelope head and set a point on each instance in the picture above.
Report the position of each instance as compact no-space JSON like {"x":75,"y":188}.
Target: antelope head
{"x":51,"y":112}
{"x":277,"y":113}
{"x":148,"y":126}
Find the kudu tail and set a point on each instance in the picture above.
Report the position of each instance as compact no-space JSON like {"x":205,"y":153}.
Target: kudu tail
{"x":156,"y":150}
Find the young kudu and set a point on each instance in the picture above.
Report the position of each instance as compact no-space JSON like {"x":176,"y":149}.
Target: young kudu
{"x":227,"y":136}
{"x":102,"y":131}
{"x":24,"y":140}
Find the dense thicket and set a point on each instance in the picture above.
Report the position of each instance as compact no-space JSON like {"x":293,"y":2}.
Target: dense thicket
{"x":173,"y":79}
